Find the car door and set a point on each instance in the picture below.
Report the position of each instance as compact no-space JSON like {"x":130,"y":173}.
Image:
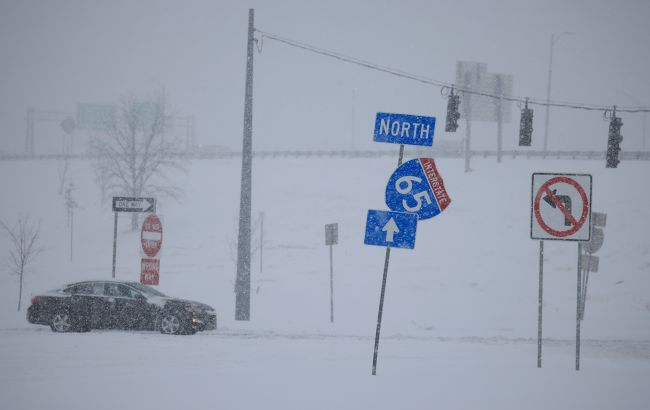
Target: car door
{"x":88,"y":304}
{"x":130,"y":310}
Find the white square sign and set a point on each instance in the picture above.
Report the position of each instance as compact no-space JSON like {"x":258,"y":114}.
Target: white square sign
{"x":560,"y":207}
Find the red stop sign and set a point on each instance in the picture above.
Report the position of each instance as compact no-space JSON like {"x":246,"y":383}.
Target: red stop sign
{"x":151,"y":235}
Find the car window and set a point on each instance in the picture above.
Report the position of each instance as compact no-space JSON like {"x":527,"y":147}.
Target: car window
{"x":121,"y":291}
{"x":81,"y":289}
{"x":111,"y":290}
{"x":97,"y":289}
{"x":129,"y":292}
{"x":147,"y":290}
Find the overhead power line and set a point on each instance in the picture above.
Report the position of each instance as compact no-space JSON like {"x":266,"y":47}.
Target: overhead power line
{"x":443,"y":84}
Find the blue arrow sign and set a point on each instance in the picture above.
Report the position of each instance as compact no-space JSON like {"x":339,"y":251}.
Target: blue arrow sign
{"x":404,"y":129}
{"x":417,"y":187}
{"x":394,"y":229}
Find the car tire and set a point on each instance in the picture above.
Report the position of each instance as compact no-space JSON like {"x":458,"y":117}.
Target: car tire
{"x":171,"y":323}
{"x":61,"y":322}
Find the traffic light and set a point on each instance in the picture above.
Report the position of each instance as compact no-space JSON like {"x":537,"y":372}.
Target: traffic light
{"x":453,"y":101}
{"x":526,"y":126}
{"x":613,"y":141}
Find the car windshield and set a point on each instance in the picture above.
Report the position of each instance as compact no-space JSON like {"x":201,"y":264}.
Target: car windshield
{"x":149,"y":291}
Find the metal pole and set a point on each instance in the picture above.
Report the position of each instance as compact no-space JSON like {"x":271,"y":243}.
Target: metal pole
{"x":585,"y":284}
{"x":243,"y":285}
{"x":331,"y":284}
{"x":468,"y":124}
{"x":71,"y":230}
{"x":645,"y":124}
{"x":500,"y":118}
{"x":261,"y":241}
{"x":540,"y":304}
{"x":114,"y":243}
{"x":548,"y":92}
{"x":29,"y":135}
{"x":578,"y":306}
{"x":354,"y":104}
{"x":187,"y":135}
{"x":381,"y":310}
{"x":383,"y":287}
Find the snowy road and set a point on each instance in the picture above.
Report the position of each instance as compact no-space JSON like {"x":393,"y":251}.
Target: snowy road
{"x":246,"y":369}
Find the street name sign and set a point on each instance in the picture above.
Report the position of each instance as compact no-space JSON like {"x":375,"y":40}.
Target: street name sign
{"x":151,"y":235}
{"x":561,"y":207}
{"x":404,"y":129}
{"x":417,"y":187}
{"x":130,"y":204}
{"x":392,"y":229}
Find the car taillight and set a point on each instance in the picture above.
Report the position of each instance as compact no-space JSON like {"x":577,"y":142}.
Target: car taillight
{"x":34,"y":300}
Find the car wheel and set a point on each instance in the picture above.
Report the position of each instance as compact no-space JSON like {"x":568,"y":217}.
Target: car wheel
{"x":61,"y":322}
{"x":170,"y":324}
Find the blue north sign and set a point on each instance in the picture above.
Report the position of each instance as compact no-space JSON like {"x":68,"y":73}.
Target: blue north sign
{"x":404,"y":129}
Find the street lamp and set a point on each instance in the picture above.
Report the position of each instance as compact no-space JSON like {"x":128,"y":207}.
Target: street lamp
{"x":554,"y":39}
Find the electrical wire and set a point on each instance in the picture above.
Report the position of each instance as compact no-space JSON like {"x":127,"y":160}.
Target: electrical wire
{"x":442,"y":84}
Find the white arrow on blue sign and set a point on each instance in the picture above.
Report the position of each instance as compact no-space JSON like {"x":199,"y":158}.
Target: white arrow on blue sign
{"x":404,"y":129}
{"x":417,"y":187}
{"x":394,"y":229}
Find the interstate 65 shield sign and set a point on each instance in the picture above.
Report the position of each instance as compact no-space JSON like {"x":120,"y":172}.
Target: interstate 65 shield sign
{"x":417,"y":187}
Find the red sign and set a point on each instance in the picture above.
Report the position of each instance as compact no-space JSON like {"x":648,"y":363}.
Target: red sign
{"x":151,"y":235}
{"x":562,"y":203}
{"x":149,"y":271}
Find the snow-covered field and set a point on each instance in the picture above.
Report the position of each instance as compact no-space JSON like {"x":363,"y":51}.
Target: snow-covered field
{"x":460,"y":320}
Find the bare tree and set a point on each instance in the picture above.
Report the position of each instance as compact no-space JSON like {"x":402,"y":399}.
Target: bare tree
{"x":24,"y":239}
{"x":134,"y":159}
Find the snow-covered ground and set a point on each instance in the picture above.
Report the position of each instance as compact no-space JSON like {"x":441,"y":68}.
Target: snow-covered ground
{"x":460,"y":320}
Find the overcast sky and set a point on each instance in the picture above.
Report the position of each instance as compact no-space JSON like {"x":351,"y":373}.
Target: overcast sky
{"x":56,"y":54}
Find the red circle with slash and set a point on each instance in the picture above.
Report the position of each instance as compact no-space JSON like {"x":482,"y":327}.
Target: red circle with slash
{"x":575,"y":224}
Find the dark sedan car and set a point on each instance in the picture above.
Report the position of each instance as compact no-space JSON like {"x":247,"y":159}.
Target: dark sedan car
{"x":118,"y":305}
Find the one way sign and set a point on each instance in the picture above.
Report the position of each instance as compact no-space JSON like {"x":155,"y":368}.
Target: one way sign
{"x":130,"y":204}
{"x":393,"y":229}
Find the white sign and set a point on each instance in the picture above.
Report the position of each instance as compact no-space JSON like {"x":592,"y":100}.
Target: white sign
{"x":561,"y":207}
{"x":331,"y":234}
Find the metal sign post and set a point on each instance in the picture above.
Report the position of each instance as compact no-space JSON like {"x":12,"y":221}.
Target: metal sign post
{"x":578,"y":304}
{"x":114,"y":243}
{"x":415,"y":191}
{"x":383,"y":287}
{"x":540,"y":304}
{"x":331,"y":239}
{"x":560,"y":210}
{"x":129,"y":204}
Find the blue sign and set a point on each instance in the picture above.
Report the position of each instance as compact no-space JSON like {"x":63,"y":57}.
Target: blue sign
{"x":404,"y":129}
{"x":394,"y":229}
{"x":417,"y":187}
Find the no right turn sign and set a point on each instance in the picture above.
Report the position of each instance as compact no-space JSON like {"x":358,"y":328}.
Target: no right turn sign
{"x":560,"y":207}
